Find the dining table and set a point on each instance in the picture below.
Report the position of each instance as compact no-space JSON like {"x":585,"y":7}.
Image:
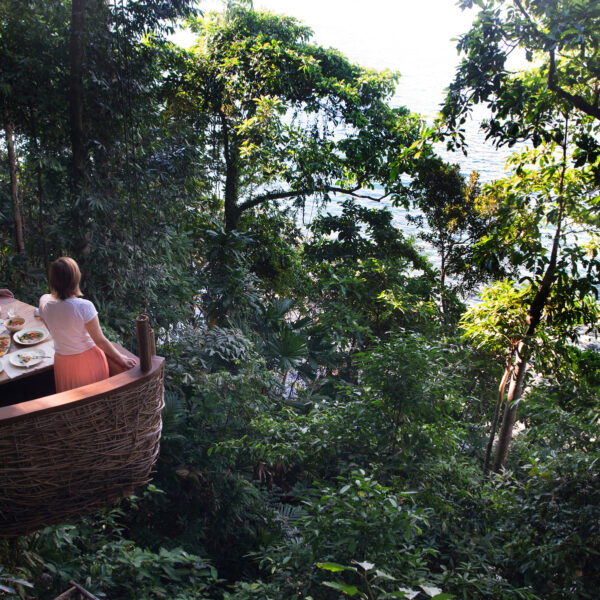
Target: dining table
{"x":44,"y":348}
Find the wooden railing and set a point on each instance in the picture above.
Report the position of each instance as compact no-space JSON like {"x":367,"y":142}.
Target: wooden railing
{"x":67,"y":454}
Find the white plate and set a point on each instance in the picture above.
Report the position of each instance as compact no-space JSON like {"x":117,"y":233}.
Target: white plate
{"x":19,"y":334}
{"x":17,"y":359}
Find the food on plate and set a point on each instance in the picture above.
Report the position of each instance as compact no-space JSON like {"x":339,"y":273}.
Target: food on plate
{"x":24,"y":359}
{"x":4,"y":344}
{"x":30,"y":336}
{"x":14,"y":323}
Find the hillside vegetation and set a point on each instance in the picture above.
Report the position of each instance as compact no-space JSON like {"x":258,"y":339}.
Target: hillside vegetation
{"x":338,"y":422}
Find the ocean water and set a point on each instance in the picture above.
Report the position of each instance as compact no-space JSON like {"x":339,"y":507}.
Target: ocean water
{"x":415,"y":38}
{"x":482,"y":156}
{"x":418,"y":40}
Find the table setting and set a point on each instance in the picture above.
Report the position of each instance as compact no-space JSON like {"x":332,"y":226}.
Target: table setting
{"x":18,"y":361}
{"x":25,"y":343}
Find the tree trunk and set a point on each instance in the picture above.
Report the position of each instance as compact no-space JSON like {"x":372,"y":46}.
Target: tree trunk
{"x":14,"y":188}
{"x":79,"y":208}
{"x":76,"y":92}
{"x":232,"y":178}
{"x":534,"y":316}
{"x":40,"y":189}
{"x":499,"y":403}
{"x":515,"y":390}
{"x":232,"y":213}
{"x":443,"y":279}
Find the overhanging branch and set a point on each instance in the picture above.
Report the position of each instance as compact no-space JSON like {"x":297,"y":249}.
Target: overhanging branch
{"x":577,"y":101}
{"x":354,"y":192}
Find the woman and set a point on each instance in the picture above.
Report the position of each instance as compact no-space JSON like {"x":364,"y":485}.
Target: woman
{"x":81,"y":348}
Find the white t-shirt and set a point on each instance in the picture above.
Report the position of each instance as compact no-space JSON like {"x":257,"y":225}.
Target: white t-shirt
{"x":66,"y":321}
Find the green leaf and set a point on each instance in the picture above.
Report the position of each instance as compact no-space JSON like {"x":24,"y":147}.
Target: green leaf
{"x":349,"y":590}
{"x":333,"y":567}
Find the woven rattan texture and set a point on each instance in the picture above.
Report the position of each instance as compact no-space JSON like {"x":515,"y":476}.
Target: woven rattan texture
{"x":62,"y":465}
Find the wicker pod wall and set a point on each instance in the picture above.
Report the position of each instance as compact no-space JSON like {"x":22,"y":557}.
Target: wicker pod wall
{"x":67,"y":455}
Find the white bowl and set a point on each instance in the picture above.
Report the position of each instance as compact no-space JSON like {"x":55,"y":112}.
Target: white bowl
{"x":15,"y":327}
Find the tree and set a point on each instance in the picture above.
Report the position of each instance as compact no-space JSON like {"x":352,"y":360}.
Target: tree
{"x":124,"y":219}
{"x":544,"y":210}
{"x":14,"y":189}
{"x":287,"y":120}
{"x":78,"y":146}
{"x":112,"y":81}
{"x":29,"y":72}
{"x":554,"y":105}
{"x":561,"y":40}
{"x":456,"y":219}
{"x":367,"y":281}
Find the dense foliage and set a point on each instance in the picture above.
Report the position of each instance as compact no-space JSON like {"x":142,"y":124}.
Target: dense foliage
{"x":331,"y":402}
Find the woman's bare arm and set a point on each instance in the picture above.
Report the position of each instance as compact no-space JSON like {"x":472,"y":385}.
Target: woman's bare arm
{"x":95,"y":331}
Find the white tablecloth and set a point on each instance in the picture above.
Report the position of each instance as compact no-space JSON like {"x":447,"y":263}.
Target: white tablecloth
{"x":47,"y":348}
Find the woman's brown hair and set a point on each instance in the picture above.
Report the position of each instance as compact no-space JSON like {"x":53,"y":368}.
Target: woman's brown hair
{"x":64,"y":277}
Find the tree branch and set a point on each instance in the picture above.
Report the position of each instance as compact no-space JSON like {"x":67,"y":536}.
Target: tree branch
{"x":577,"y":101}
{"x":307,"y":192}
{"x":529,"y":19}
{"x":356,"y":195}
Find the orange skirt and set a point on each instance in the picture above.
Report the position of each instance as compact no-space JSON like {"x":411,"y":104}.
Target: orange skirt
{"x":75,"y":370}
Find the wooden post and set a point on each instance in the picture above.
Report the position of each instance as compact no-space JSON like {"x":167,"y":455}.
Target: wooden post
{"x":144,"y":338}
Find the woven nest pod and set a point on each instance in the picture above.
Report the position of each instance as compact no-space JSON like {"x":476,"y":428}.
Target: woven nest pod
{"x":68,"y":454}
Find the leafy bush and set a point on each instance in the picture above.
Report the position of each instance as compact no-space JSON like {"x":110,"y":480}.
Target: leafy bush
{"x":95,"y":553}
{"x":355,"y":518}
